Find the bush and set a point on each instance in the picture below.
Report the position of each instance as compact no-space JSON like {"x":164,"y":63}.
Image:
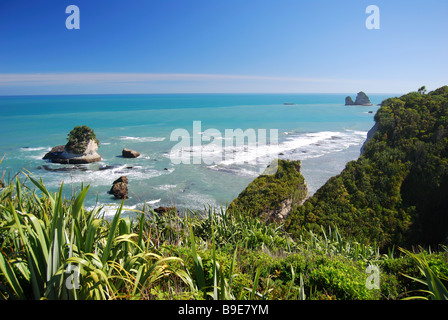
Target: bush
{"x":79,"y":138}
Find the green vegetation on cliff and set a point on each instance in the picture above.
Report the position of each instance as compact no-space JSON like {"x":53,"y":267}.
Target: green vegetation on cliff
{"x":79,"y":138}
{"x":54,"y":248}
{"x":272,"y":195}
{"x":396,"y":193}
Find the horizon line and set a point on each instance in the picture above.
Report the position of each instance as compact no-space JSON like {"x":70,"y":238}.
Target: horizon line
{"x":186,"y":93}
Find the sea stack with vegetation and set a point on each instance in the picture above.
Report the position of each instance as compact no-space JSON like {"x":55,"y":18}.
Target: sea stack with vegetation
{"x":81,"y":148}
{"x":361,"y":100}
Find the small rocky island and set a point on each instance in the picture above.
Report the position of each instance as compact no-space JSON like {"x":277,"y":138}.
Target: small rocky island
{"x":361,"y":100}
{"x":120,"y":188}
{"x":81,"y":148}
{"x":128,"y":153}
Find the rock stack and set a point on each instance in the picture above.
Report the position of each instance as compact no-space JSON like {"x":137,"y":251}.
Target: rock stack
{"x":120,"y":188}
{"x":128,"y":153}
{"x":361,"y":100}
{"x":81,"y":148}
{"x":349,"y":101}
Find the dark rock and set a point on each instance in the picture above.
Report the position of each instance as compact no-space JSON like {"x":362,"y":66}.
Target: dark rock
{"x":54,"y":153}
{"x":63,"y":169}
{"x":76,"y":160}
{"x":59,"y":154}
{"x":120,"y":188}
{"x":128,"y":153}
{"x":106,"y":168}
{"x":362,"y":100}
{"x":164,"y":209}
{"x":121,"y":179}
{"x":349,"y":101}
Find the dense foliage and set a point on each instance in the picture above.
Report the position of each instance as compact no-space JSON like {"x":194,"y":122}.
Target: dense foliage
{"x":53,"y":248}
{"x":396,"y":193}
{"x":79,"y":138}
{"x":282,"y":182}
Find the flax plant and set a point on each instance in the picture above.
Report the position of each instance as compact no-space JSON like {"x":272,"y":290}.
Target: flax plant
{"x":52,"y":248}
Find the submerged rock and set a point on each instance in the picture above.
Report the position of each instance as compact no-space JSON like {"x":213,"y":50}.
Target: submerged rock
{"x":63,"y":169}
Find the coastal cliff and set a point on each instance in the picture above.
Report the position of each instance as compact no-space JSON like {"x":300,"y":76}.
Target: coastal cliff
{"x":274,"y":194}
{"x":370,"y":134}
{"x":395,"y":193}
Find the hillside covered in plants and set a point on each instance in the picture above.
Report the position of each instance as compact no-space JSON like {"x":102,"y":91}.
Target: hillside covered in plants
{"x":396,"y":193}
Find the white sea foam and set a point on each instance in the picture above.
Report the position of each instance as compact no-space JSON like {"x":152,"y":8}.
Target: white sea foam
{"x":39,"y":157}
{"x":109,"y":210}
{"x":294,"y":147}
{"x":34,"y":149}
{"x":235,"y":169}
{"x":142,"y":139}
{"x":167,"y":187}
{"x":105,"y":177}
{"x":153,"y":201}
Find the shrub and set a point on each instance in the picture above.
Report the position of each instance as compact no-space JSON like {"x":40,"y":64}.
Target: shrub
{"x":79,"y":138}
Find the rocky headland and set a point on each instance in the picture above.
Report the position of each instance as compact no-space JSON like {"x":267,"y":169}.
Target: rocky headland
{"x":275,"y":193}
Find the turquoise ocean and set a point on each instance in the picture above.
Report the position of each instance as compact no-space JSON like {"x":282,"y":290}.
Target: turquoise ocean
{"x":317,"y":129}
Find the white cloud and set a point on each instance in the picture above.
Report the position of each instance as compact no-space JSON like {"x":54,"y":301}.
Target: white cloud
{"x":122,"y":83}
{"x":89,"y":78}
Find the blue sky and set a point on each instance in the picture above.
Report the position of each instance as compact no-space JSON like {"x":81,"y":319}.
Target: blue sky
{"x":167,"y":46}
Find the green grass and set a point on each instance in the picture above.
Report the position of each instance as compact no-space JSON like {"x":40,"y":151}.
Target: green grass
{"x":53,"y":248}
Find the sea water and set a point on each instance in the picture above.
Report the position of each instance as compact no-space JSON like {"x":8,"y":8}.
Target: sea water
{"x":317,"y":129}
